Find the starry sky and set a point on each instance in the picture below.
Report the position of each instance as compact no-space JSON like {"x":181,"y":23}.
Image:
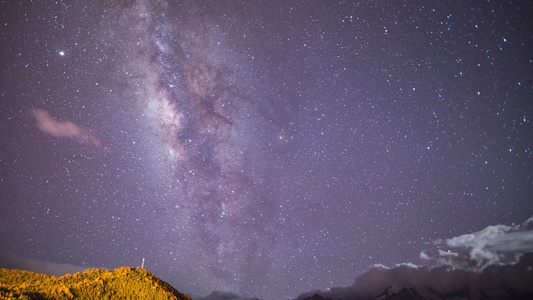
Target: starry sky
{"x":261,"y":147}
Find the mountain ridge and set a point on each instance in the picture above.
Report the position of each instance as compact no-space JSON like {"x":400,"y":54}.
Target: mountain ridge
{"x":445,"y":282}
{"x":121,"y":283}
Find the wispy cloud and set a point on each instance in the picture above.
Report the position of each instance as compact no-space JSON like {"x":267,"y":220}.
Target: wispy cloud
{"x":67,"y":129}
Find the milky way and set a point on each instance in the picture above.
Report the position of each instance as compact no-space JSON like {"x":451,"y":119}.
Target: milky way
{"x":266,"y":149}
{"x":202,"y":122}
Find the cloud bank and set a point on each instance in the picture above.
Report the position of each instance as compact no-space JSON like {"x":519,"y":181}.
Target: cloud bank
{"x":492,"y":245}
{"x":494,"y":263}
{"x":67,"y":129}
{"x":9,"y":260}
{"x":222,"y":295}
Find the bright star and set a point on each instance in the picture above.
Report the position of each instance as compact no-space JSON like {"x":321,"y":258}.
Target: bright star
{"x":62,"y":53}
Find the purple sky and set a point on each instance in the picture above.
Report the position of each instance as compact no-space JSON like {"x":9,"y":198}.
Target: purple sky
{"x":266,"y":148}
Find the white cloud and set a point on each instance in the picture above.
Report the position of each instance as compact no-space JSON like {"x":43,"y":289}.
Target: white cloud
{"x":479,"y":239}
{"x":424,"y":256}
{"x":494,"y":244}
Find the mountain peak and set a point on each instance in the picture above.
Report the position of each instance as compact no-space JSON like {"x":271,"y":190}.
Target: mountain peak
{"x":406,"y":293}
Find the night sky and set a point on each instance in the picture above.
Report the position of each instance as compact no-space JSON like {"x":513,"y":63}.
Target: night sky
{"x":266,"y":148}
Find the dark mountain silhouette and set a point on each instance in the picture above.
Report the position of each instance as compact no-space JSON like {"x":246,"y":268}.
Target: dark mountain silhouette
{"x":406,"y":293}
{"x":121,"y":283}
{"x":494,"y":282}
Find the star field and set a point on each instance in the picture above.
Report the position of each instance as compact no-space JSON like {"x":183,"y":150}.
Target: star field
{"x":261,"y":148}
